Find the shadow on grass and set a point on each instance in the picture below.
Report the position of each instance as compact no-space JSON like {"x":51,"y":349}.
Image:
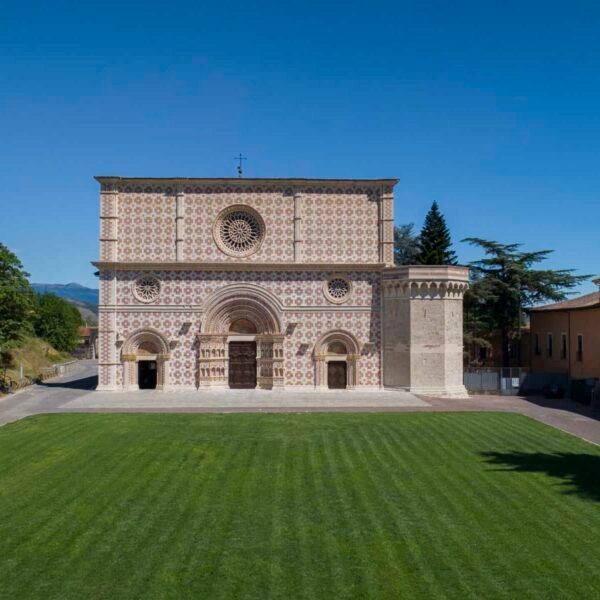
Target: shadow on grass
{"x":579,"y":473}
{"x":85,"y":383}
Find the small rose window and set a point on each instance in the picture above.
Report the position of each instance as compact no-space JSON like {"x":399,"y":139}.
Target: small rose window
{"x":146,"y":288}
{"x":337,"y":289}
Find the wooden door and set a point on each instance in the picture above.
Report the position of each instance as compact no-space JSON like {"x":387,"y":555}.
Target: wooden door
{"x":242,"y":365}
{"x":147,"y":374}
{"x":336,"y":374}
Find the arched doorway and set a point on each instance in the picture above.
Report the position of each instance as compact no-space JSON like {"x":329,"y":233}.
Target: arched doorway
{"x":241,"y":343}
{"x":144,"y":356}
{"x":336,"y":361}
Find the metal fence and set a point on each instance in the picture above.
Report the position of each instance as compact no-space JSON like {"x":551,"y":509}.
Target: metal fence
{"x":495,"y":380}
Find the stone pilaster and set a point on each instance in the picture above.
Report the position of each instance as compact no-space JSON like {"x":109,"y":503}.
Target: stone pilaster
{"x":109,"y":365}
{"x":422,"y":329}
{"x":179,"y":216}
{"x":386,"y":227}
{"x":298,"y":242}
{"x":109,"y":221}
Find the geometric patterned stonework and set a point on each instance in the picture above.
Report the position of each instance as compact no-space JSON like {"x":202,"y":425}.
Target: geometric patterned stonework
{"x":309,"y":288}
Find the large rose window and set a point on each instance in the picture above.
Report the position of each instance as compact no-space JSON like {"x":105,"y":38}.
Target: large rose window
{"x":239,"y":231}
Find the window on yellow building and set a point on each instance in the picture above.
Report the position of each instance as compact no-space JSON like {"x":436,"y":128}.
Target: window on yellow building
{"x":563,"y":345}
{"x":550,"y":346}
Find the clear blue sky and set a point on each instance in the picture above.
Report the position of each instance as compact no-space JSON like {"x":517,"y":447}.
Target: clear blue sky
{"x":490,"y":108}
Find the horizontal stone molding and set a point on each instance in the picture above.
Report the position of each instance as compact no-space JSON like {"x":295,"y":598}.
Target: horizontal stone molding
{"x":198,"y":309}
{"x":236,"y":266}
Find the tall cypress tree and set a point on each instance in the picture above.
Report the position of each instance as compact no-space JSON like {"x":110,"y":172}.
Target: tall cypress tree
{"x":435,"y":244}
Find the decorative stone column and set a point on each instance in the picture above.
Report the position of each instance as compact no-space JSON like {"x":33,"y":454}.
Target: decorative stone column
{"x":278,"y":362}
{"x":129,"y":371}
{"x":162,"y":371}
{"x":264,"y":362}
{"x":269,"y":361}
{"x":351,"y":360}
{"x":213,"y":361}
{"x":422,"y":329}
{"x":320,"y":372}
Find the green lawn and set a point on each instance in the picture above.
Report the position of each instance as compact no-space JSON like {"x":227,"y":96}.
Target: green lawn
{"x":307,"y":506}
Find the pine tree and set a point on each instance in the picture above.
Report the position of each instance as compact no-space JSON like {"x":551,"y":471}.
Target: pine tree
{"x":406,"y":244}
{"x":434,"y":242}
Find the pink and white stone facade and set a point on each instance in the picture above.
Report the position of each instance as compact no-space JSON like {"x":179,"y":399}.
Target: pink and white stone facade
{"x":176,"y":276}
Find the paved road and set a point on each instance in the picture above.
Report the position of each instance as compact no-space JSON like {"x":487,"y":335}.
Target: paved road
{"x":74,"y":393}
{"x":50,"y":396}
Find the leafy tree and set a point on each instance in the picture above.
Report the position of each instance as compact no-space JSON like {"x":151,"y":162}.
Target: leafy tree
{"x":406,"y":245}
{"x":56,"y":321}
{"x":434,"y":242}
{"x":16,"y":297}
{"x":504,"y":283}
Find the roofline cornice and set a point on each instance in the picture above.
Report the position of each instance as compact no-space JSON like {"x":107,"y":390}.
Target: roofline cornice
{"x":540,"y":310}
{"x":114,"y":179}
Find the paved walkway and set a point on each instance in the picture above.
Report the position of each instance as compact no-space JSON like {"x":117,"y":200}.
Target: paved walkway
{"x":75,"y":393}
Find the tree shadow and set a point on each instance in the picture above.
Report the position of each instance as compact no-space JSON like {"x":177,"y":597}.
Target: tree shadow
{"x":579,"y":474}
{"x":85,"y":383}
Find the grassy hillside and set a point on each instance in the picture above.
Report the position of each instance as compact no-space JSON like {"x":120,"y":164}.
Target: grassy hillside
{"x":34,"y":354}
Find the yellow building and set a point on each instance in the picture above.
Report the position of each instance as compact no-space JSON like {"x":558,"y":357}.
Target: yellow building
{"x":565,"y":337}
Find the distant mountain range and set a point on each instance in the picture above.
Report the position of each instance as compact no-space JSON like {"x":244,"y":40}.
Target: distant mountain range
{"x":84,"y":298}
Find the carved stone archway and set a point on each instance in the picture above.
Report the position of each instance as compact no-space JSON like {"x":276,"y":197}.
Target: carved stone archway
{"x":145,"y":344}
{"x":232,"y":305}
{"x":330,"y":347}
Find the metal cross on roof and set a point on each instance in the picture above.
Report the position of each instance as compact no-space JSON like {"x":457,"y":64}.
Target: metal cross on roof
{"x":240,"y":158}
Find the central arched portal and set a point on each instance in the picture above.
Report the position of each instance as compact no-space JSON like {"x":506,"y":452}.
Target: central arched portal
{"x":241,"y":343}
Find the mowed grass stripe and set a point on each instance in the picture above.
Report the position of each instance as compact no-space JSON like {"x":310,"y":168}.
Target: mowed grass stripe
{"x":324,"y":505}
{"x":351,"y":554}
{"x":297,"y":506}
{"x":189,"y":559}
{"x":396,"y":475}
{"x":388,"y":546}
{"x":498,"y":496}
{"x":393,"y":486}
{"x":462,"y":495}
{"x":448,"y":560}
{"x":103,"y":532}
{"x":62,"y":487}
{"x":494,"y":502}
{"x":519,"y":515}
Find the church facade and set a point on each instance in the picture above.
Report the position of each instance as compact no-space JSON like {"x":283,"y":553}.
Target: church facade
{"x":271,"y":284}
